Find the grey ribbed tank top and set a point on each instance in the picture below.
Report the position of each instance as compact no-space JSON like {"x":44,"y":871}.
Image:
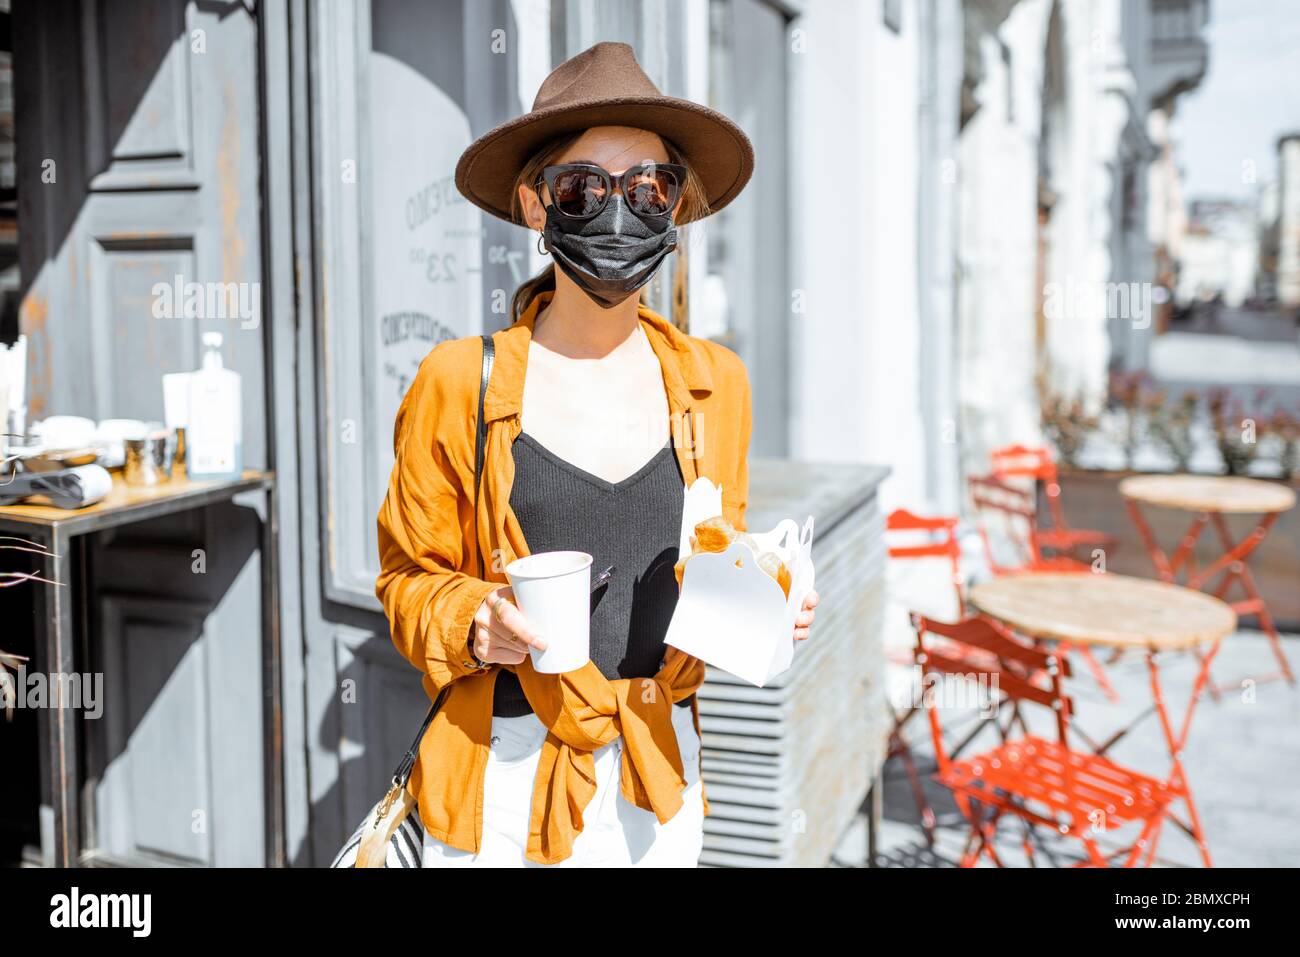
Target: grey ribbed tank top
{"x":634,"y":525}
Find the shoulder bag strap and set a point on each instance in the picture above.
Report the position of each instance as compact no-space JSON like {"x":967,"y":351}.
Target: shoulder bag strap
{"x":403,"y":772}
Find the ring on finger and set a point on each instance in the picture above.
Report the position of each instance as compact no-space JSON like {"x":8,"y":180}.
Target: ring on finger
{"x":496,"y":604}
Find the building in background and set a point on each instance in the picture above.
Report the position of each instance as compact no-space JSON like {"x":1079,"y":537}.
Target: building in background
{"x":1282,"y":233}
{"x":1166,"y":214}
{"x":1219,"y":253}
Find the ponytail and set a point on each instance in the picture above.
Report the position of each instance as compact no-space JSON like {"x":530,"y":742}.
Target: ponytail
{"x":528,"y":290}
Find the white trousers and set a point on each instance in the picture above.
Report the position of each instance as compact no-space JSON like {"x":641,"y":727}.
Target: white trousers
{"x":615,"y":833}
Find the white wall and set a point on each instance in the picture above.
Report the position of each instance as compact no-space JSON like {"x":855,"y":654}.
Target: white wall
{"x":856,"y":390}
{"x":1085,"y":252}
{"x":1088,"y":250}
{"x":855,"y":106}
{"x":1166,"y":209}
{"x":998,"y":243}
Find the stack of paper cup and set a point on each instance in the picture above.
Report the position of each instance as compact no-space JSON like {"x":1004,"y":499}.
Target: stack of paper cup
{"x":553,"y":590}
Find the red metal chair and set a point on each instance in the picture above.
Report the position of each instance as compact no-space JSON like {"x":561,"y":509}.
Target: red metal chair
{"x":1036,"y":463}
{"x":937,"y":539}
{"x":1042,"y":782}
{"x":943,"y":544}
{"x":1010,"y":513}
{"x":912,"y":537}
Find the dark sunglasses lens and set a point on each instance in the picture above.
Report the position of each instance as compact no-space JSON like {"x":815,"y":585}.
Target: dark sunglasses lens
{"x":652,"y":191}
{"x":579,"y":193}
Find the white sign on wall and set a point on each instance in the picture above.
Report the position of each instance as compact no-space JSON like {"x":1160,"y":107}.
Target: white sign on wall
{"x":426,"y":238}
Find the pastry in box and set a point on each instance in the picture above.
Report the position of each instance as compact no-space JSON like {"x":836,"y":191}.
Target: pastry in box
{"x":740,"y":591}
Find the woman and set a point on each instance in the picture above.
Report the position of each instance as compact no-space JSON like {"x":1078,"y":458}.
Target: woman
{"x":598,"y":414}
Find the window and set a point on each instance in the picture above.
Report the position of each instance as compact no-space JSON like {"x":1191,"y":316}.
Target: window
{"x":747,"y":299}
{"x":402,"y":89}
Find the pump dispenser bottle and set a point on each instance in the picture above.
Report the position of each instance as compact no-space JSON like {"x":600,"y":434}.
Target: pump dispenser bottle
{"x":214,"y":446}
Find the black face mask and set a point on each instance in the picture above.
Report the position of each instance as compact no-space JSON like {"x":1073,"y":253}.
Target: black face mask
{"x":613,"y":254}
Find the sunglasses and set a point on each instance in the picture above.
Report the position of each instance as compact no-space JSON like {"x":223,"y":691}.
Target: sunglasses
{"x":581,"y":190}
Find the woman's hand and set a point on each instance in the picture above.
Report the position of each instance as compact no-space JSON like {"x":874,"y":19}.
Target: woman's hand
{"x":803,"y":621}
{"x":502,"y":636}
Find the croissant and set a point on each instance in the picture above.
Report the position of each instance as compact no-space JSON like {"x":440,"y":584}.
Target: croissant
{"x":771,"y":563}
{"x":713,"y":535}
{"x":716,"y":534}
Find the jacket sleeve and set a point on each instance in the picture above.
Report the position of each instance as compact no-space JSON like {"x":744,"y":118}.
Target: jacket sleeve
{"x":735,"y":498}
{"x":425,"y":522}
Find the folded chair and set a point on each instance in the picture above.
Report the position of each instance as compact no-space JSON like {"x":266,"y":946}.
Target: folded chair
{"x":1007,"y":520}
{"x":1036,"y":463}
{"x":913,"y":537}
{"x":1042,"y":781}
{"x":942,"y":543}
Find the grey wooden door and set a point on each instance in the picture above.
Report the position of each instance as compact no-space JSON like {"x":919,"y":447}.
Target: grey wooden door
{"x":137,"y":169}
{"x":398,"y":261}
{"x":748,"y":241}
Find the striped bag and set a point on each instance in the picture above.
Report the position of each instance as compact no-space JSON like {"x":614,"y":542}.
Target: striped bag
{"x":391,"y":834}
{"x":403,"y":848}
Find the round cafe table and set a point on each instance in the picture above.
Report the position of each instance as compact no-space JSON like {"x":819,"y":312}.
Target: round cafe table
{"x":1210,"y":498}
{"x":1117,"y":611}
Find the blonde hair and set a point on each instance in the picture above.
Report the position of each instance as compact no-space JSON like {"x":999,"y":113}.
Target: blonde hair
{"x":694,"y":205}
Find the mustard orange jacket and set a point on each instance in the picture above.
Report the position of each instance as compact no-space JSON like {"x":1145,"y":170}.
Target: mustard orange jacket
{"x":428,"y":541}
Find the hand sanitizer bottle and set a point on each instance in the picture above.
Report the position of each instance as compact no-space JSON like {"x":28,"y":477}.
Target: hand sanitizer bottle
{"x":213,"y":441}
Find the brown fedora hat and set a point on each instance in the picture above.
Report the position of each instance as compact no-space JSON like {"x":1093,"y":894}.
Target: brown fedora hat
{"x":605,"y":86}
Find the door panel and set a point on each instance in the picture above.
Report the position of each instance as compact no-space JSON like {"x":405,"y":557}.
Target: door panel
{"x":154,"y":741}
{"x":138,"y":168}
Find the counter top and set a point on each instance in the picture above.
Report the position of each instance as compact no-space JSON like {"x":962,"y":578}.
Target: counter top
{"x":781,"y":488}
{"x":134,"y":502}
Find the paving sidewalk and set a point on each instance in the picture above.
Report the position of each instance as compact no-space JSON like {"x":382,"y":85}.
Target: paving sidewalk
{"x":1244,"y":351}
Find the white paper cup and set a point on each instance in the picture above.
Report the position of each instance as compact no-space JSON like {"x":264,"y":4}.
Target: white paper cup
{"x":553,"y":590}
